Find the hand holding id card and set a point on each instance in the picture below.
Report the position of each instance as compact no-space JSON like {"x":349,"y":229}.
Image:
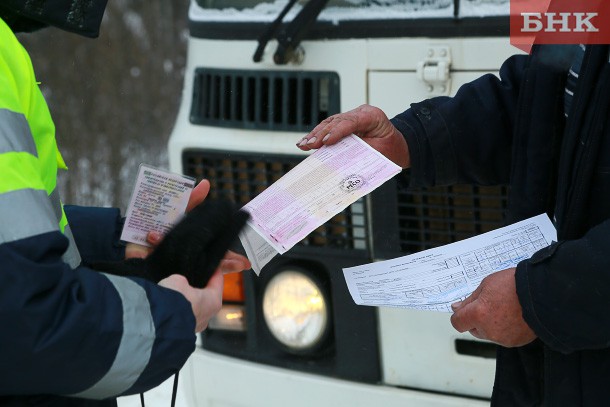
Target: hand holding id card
{"x":158,"y":202}
{"x":194,"y":243}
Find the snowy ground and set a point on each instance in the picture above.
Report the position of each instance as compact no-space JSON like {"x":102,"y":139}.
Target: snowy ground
{"x":157,"y":397}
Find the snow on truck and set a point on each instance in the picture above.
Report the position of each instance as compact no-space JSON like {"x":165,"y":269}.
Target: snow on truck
{"x":260,"y":75}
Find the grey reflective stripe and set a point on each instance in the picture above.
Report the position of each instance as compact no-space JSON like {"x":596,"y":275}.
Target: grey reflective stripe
{"x":25,"y":213}
{"x":15,"y":134}
{"x":136,"y":344}
{"x":72,"y":255}
{"x":56,"y":202}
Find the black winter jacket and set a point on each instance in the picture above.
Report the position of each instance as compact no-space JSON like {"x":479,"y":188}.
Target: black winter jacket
{"x":513,"y":131}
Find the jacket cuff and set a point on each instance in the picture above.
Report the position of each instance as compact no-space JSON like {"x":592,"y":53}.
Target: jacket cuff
{"x":526,"y":275}
{"x":432,"y":155}
{"x":97,"y":232}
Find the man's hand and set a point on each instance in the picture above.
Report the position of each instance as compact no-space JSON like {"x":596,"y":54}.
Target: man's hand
{"x":233,"y":263}
{"x":493,"y":312}
{"x":205,"y":302}
{"x":194,"y":247}
{"x":197,"y":244}
{"x":368,"y":122}
{"x":137,"y":251}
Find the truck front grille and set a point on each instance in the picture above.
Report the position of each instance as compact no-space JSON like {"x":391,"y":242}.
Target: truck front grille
{"x":264,"y":100}
{"x":440,"y":215}
{"x":240,"y":177}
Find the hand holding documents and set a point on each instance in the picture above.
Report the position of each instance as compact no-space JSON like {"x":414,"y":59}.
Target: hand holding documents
{"x":434,"y":279}
{"x":319,"y":187}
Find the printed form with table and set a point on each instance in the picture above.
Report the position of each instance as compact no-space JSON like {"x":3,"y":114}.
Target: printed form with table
{"x":332,"y":178}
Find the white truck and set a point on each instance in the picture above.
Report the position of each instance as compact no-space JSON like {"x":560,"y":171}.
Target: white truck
{"x":260,"y":75}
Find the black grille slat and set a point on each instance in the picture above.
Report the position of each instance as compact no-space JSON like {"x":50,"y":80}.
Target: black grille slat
{"x":243,"y":176}
{"x":263,"y":100}
{"x":295,"y":90}
{"x":247,"y":101}
{"x":264,"y":92}
{"x":213,"y":109}
{"x":311,"y":107}
{"x":440,"y":215}
{"x":260,"y":102}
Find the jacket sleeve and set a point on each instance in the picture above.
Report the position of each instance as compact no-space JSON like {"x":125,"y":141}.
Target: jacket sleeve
{"x":569,"y":281}
{"x":466,"y":138}
{"x":97,"y":232}
{"x":82,"y":333}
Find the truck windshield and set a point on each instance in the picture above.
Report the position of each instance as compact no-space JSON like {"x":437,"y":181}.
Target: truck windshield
{"x":341,"y":10}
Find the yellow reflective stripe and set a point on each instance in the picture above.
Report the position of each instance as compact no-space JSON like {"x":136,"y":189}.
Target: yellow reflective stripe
{"x":19,"y":171}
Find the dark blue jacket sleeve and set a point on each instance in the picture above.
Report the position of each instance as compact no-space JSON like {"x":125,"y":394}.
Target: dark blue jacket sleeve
{"x":466,"y":138}
{"x":97,"y":232}
{"x":82,"y":333}
{"x":569,"y":281}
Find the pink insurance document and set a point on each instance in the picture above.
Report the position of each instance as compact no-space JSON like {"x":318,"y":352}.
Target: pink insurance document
{"x":319,"y":187}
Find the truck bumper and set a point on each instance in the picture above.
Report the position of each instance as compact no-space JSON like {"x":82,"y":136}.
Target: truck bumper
{"x":209,"y":379}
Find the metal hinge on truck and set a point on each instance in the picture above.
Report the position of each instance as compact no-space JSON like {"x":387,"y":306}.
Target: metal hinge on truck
{"x":434,"y":70}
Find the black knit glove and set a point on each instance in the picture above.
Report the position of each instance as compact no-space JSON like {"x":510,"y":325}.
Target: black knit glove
{"x":193,"y":248}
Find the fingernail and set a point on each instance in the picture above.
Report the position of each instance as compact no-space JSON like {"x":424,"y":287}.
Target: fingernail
{"x":312,"y":140}
{"x":326,"y":137}
{"x":154,"y":237}
{"x":456,"y":305}
{"x":302,"y":142}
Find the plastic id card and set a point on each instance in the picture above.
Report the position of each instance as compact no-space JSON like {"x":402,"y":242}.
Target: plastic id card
{"x":158,"y":202}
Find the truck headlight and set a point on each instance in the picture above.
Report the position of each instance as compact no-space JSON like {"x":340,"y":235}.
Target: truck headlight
{"x":295,"y":310}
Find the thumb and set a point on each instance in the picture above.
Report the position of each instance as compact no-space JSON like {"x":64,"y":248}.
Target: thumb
{"x":216,"y":282}
{"x":198,"y":195}
{"x":464,"y":316}
{"x":460,"y":304}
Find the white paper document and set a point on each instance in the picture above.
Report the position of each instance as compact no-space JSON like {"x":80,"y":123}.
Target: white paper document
{"x":434,"y":279}
{"x":319,"y":187}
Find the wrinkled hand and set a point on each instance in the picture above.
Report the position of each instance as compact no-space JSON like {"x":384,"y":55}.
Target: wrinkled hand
{"x":493,"y":312}
{"x":368,"y":122}
{"x":205,"y":302}
{"x":137,"y":251}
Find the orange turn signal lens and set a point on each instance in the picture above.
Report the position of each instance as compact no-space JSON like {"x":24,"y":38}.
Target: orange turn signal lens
{"x":234,"y":288}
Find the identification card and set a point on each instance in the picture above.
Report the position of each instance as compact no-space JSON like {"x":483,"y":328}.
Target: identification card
{"x":158,"y":202}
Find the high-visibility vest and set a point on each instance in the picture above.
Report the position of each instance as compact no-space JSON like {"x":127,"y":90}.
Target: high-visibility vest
{"x":29,"y":157}
{"x":124,"y":334}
